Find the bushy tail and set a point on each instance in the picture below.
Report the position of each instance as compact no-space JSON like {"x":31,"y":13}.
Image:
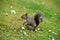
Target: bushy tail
{"x":38,"y":18}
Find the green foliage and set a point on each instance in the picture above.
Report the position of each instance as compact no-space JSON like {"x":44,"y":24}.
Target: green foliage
{"x":11,"y":24}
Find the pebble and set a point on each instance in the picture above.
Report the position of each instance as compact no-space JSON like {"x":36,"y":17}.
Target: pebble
{"x":25,"y":33}
{"x":13,"y":11}
{"x":6,"y":14}
{"x":49,"y":30}
{"x":38,"y":28}
{"x":23,"y":27}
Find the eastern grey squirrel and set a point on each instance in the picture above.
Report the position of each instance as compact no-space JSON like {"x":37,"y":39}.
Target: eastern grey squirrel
{"x":32,"y":23}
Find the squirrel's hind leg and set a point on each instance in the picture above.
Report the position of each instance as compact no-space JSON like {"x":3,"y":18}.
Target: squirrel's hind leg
{"x":30,"y":27}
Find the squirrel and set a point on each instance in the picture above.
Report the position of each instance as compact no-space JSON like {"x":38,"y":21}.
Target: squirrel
{"x":32,"y":23}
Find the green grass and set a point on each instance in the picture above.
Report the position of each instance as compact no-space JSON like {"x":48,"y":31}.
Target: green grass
{"x":11,"y":25}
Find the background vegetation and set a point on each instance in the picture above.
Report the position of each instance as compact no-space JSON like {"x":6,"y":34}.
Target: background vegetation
{"x":11,"y":22}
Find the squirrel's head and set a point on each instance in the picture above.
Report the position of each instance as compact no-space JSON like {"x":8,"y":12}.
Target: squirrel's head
{"x":24,"y":16}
